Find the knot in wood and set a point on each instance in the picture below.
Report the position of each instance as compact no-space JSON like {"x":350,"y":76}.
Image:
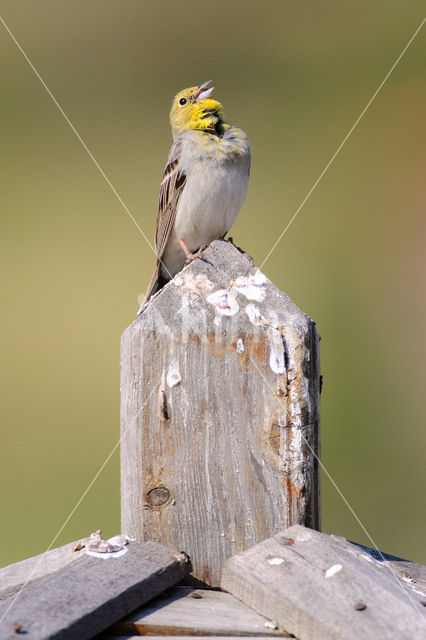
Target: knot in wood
{"x":158,"y":496}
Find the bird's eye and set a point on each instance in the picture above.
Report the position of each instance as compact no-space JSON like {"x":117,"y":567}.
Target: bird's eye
{"x":182,"y":101}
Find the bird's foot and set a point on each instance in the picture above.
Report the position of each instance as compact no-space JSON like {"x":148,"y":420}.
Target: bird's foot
{"x":191,"y":256}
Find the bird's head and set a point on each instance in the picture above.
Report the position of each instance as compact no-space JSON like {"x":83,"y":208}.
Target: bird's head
{"x":194,"y":109}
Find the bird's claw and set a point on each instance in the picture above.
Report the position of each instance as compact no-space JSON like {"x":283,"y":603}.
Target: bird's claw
{"x":191,"y":256}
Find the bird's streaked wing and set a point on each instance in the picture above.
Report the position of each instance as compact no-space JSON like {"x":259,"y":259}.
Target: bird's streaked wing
{"x":170,"y":190}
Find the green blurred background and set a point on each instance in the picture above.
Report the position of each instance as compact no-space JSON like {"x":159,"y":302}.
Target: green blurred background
{"x":295,"y":76}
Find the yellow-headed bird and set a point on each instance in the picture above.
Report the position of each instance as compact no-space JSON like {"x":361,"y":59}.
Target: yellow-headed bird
{"x":204,"y":183}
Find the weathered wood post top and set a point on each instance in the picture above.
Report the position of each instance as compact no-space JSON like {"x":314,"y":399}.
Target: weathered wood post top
{"x":220,"y":413}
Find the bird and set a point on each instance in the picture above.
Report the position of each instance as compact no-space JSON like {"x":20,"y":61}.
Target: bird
{"x":204,"y":183}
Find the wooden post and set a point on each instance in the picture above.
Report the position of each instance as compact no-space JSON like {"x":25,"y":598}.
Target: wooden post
{"x":220,"y":413}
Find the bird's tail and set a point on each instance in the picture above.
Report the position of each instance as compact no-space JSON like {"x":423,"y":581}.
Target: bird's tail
{"x":156,"y":283}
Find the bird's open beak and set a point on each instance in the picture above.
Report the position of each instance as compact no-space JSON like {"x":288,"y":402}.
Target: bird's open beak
{"x":202,"y":91}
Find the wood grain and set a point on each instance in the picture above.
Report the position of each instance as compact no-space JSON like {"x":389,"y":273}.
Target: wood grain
{"x":320,"y":587}
{"x":107,"y":636}
{"x":89,"y":594}
{"x":14,"y":576}
{"x":187,"y":611}
{"x":219,"y":414}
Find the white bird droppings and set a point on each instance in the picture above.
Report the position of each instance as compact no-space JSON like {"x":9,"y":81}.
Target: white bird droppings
{"x":195,"y":285}
{"x":240,"y":345}
{"x":275,"y":560}
{"x":252,"y":287}
{"x":115,"y":547}
{"x":331,"y":571}
{"x":107,"y":554}
{"x":277,"y":354}
{"x":224,"y":302}
{"x":173,"y":376}
{"x":271,"y":625}
{"x":254,"y":314}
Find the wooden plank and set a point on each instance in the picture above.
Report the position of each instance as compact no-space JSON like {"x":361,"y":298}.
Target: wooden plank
{"x":219,"y":412}
{"x":14,"y":576}
{"x":409,"y":572}
{"x":188,"y":611}
{"x":322,"y":587}
{"x":106,"y":636}
{"x":91,"y":593}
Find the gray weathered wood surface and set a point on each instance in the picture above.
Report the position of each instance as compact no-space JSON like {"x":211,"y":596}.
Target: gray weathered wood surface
{"x":187,"y":611}
{"x":89,"y":594}
{"x":27,"y":571}
{"x":322,"y":587}
{"x":219,"y":413}
{"x":410,"y":573}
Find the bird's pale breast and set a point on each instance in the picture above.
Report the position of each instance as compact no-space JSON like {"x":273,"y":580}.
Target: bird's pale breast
{"x":217,"y":172}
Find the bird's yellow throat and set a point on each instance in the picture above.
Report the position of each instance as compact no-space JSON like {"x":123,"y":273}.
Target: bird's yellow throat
{"x":204,"y":115}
